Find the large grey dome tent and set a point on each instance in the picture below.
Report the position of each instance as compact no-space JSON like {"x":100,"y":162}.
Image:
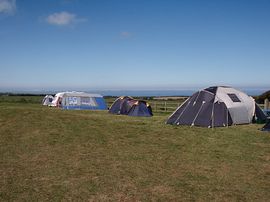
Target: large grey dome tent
{"x":216,"y":107}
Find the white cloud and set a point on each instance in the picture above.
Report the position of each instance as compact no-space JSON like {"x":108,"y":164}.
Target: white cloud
{"x":7,"y":6}
{"x":63,"y":18}
{"x":125,"y":34}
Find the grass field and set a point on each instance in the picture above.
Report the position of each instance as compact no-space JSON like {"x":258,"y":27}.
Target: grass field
{"x":50,"y":154}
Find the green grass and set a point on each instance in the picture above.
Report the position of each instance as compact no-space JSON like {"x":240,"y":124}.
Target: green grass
{"x":21,"y":99}
{"x":49,"y":154}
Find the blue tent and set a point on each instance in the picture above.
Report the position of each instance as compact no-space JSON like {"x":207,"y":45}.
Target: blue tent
{"x":131,"y":107}
{"x":79,"y":100}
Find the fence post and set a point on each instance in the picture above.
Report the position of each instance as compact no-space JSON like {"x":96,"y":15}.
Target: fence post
{"x":266,"y":104}
{"x":155,"y":106}
{"x":165,"y":106}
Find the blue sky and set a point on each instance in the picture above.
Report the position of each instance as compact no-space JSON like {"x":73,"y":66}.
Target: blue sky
{"x":133,"y":44}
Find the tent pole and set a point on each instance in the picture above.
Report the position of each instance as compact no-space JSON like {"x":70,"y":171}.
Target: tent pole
{"x":213,"y":113}
{"x":197,"y":114}
{"x":182,"y":111}
{"x":213,"y":121}
{"x":227,"y":117}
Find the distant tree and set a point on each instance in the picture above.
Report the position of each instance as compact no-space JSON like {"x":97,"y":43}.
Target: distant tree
{"x":260,"y":99}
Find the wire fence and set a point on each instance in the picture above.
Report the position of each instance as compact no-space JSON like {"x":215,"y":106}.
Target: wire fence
{"x":161,"y":106}
{"x":164,"y":106}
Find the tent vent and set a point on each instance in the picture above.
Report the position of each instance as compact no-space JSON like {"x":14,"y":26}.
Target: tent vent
{"x":234,"y":97}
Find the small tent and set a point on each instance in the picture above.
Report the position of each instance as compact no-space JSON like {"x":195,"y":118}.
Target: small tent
{"x":131,"y":107}
{"x":79,"y":100}
{"x":216,"y":107}
{"x":266,"y":127}
{"x":47,"y":100}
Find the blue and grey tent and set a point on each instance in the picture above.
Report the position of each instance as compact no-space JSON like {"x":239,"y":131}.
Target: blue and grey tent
{"x":128,"y":106}
{"x":217,"y":106}
{"x":79,"y":100}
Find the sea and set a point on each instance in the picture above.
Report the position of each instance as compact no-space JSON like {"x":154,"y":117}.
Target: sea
{"x":139,"y":93}
{"x":156,"y":93}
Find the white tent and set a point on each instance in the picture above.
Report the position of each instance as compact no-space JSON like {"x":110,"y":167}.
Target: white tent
{"x":47,"y":100}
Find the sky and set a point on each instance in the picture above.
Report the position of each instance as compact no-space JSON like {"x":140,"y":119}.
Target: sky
{"x":133,"y":44}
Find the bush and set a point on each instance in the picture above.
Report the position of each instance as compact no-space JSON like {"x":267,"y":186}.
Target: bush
{"x":260,"y":99}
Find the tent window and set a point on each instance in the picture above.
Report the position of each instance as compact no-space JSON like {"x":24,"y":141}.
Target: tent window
{"x":234,"y":97}
{"x":88,"y":101}
{"x":72,"y":100}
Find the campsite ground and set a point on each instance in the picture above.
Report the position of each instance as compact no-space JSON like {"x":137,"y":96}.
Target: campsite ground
{"x":52,"y":154}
